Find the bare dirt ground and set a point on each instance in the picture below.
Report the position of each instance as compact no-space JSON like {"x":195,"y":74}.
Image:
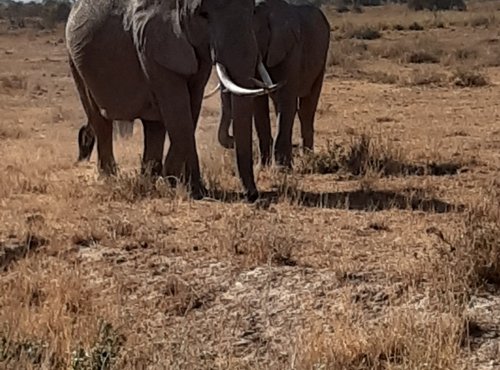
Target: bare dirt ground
{"x":380,"y":251}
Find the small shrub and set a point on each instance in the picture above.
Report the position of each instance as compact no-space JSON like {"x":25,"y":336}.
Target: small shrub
{"x":364,"y":33}
{"x":328,"y":161}
{"x":437,"y":23}
{"x":398,"y":27}
{"x":468,"y":78}
{"x":422,"y":56}
{"x":466,"y":53}
{"x":363,"y":156}
{"x":481,"y":21}
{"x":382,"y":77}
{"x":392,"y":50}
{"x":421,"y":78}
{"x":415,"y":26}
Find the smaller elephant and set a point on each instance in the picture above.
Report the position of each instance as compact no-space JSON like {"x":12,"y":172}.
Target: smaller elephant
{"x":293,"y":42}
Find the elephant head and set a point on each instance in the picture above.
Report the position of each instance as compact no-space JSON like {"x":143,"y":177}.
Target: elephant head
{"x":277,"y":29}
{"x":220,"y":29}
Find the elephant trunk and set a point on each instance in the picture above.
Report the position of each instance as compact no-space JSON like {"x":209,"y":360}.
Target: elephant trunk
{"x":235,"y":55}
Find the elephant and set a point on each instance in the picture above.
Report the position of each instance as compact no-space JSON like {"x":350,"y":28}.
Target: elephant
{"x":294,"y":42}
{"x":150,"y":60}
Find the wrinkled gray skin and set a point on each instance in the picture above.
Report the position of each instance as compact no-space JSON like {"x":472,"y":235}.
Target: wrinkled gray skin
{"x":150,"y":60}
{"x":294,"y":41}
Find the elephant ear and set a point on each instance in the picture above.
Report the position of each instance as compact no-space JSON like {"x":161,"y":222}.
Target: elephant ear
{"x":158,"y":41}
{"x":285,"y":34}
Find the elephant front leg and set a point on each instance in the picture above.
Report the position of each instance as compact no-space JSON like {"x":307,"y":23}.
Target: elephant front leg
{"x":103,"y":129}
{"x":154,"y":140}
{"x":225,"y":139}
{"x":263,"y":128}
{"x":181,"y":162}
{"x":283,"y":146}
{"x":307,"y":113}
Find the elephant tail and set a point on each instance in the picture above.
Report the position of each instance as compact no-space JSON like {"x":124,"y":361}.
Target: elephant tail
{"x":124,"y":129}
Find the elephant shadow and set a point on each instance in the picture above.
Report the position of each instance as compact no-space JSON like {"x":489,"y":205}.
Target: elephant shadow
{"x":358,"y":200}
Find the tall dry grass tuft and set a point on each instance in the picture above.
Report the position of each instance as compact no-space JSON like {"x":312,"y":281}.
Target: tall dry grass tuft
{"x":52,"y":317}
{"x":368,"y":155}
{"x":478,"y":245}
{"x":404,"y":339}
{"x":133,"y":187}
{"x":363,"y":155}
{"x":468,"y":77}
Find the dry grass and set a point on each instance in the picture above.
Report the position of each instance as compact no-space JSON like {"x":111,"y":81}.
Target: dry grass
{"x":469,"y":78}
{"x":479,"y":245}
{"x":380,"y":250}
{"x":13,"y":82}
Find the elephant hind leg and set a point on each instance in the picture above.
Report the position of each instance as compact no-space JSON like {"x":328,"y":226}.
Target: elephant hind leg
{"x":283,"y":145}
{"x":154,"y":140}
{"x":307,"y":112}
{"x":102,"y":127}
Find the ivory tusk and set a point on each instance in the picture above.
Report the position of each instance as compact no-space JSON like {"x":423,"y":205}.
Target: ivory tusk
{"x":268,"y":88}
{"x":234,"y":88}
{"x":211,"y":93}
{"x":264,"y":75}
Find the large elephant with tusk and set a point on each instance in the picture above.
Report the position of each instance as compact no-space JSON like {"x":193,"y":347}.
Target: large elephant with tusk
{"x":150,"y":60}
{"x":293,"y":42}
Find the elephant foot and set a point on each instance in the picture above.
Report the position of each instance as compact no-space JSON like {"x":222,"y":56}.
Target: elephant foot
{"x":151,"y":168}
{"x":108,"y":168}
{"x":283,"y":160}
{"x":284,"y":166}
{"x":227,"y":141}
{"x":251,"y":195}
{"x":265,"y":161}
{"x":306,"y":149}
{"x":198,"y":191}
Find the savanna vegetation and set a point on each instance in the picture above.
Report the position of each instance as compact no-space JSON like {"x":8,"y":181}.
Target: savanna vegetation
{"x":380,"y":250}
